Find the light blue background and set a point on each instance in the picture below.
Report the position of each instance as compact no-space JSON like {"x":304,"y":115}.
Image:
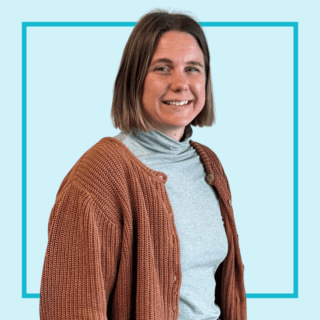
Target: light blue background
{"x":71,"y":72}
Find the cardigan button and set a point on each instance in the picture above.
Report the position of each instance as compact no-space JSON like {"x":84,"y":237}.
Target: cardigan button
{"x":230,"y":203}
{"x":209,"y":177}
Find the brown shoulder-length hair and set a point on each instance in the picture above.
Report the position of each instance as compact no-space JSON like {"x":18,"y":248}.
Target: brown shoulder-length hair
{"x":126,"y":110}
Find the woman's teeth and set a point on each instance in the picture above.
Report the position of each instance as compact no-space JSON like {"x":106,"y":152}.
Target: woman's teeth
{"x":176,"y":103}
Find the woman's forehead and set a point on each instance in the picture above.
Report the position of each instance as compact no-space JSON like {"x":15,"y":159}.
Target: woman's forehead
{"x":175,"y":45}
{"x":174,"y":39}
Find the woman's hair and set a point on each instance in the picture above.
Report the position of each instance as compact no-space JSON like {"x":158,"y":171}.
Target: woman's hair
{"x":126,"y":111}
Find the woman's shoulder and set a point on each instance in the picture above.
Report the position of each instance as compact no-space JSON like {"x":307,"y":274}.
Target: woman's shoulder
{"x":207,"y":154}
{"x":99,"y":167}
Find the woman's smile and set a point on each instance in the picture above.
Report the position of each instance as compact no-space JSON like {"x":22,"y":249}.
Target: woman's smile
{"x":178,"y":107}
{"x":177,"y":103}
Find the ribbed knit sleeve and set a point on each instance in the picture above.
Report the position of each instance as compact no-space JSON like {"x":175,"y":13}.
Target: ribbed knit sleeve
{"x":80,"y":265}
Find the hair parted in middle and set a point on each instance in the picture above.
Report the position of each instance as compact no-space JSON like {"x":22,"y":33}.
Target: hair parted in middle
{"x":126,"y":110}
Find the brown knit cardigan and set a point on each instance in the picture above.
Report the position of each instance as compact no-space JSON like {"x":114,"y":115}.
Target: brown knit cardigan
{"x":113,"y":250}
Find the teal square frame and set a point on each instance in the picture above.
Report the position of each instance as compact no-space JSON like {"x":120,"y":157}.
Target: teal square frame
{"x":293,"y":25}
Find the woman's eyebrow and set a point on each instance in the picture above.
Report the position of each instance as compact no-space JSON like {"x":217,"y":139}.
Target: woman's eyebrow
{"x":166,"y":60}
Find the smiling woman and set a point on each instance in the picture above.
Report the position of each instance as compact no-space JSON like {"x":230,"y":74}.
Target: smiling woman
{"x":143,"y":225}
{"x":174,"y":90}
{"x":166,"y":58}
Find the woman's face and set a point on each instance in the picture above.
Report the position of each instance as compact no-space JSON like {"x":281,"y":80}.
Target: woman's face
{"x":176,"y":73}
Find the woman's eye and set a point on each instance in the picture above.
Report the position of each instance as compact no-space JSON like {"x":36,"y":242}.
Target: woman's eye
{"x":195,"y":69}
{"x":160,"y":68}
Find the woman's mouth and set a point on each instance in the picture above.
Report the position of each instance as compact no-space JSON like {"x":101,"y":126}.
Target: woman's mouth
{"x":177,"y":104}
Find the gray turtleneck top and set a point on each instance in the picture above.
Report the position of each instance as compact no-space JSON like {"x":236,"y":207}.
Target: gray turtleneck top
{"x":203,"y":240}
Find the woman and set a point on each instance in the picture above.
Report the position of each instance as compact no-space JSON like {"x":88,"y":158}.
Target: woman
{"x":142,"y":227}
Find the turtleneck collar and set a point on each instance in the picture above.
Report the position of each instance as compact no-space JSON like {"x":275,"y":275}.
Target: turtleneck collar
{"x":157,"y":141}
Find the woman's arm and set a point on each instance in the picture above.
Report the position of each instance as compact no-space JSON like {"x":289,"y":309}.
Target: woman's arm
{"x":81,"y":259}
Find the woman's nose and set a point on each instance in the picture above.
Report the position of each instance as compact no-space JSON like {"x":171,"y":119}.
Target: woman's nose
{"x":179,"y":80}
